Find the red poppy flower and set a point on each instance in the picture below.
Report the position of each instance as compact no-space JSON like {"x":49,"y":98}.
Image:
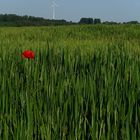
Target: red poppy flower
{"x":28,"y":54}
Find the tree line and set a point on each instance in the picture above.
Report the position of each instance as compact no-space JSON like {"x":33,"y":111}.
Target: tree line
{"x":16,"y":20}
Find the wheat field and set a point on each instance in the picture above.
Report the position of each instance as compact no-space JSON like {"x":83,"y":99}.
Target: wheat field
{"x":84,"y":83}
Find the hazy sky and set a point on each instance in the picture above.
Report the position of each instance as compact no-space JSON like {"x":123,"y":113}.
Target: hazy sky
{"x":106,"y":10}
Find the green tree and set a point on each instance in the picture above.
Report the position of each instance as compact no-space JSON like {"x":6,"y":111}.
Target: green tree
{"x":86,"y":21}
{"x":97,"y":21}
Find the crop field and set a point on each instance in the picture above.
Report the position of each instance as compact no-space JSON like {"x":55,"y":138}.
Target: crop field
{"x":84,"y":83}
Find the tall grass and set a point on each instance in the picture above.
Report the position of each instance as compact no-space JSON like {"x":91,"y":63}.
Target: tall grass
{"x":83,"y":84}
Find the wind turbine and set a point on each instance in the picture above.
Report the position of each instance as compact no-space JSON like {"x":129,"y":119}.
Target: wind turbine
{"x":53,"y":6}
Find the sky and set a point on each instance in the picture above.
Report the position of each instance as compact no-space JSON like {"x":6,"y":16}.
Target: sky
{"x":73,"y":10}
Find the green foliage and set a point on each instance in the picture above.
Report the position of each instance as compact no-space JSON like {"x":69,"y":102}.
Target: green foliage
{"x":97,"y":21}
{"x":15,"y":20}
{"x":86,"y":21}
{"x":83,"y":83}
{"x":131,"y":22}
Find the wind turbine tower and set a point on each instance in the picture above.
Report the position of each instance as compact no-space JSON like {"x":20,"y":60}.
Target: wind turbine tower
{"x":53,"y":6}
